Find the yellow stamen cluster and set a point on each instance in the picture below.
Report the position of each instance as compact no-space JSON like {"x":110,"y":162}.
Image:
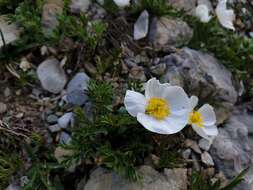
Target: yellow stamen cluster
{"x":158,"y":108}
{"x":196,"y":118}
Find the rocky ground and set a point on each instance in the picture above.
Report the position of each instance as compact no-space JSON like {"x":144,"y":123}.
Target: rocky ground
{"x":52,"y":50}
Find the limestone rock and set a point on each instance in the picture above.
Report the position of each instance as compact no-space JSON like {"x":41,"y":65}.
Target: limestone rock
{"x":51,"y":9}
{"x":66,"y":120}
{"x":79,"y":6}
{"x":3,"y":107}
{"x":76,"y":88}
{"x":52,"y":75}
{"x":141,"y":26}
{"x":205,"y":144}
{"x":202,"y":75}
{"x":165,"y":32}
{"x":13,"y":187}
{"x":102,"y":179}
{"x":232,"y":149}
{"x":10,"y":31}
{"x":186,"y":5}
{"x":207,"y":159}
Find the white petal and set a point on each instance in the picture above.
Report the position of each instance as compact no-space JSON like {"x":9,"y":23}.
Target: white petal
{"x":208,"y":114}
{"x":194,"y":102}
{"x":135,"y":103}
{"x":208,"y":133}
{"x":122,"y":3}
{"x":225,"y":16}
{"x":202,"y":12}
{"x":169,"y":125}
{"x":153,"y":88}
{"x":211,"y":130}
{"x":141,"y":26}
{"x":178,"y":100}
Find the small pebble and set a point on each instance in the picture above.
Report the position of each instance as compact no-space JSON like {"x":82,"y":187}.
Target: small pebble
{"x":7,"y":92}
{"x":66,"y":120}
{"x":204,"y":144}
{"x":251,"y":34}
{"x":207,"y":159}
{"x":141,"y":26}
{"x":64,"y":138}
{"x":195,"y":159}
{"x":158,"y":69}
{"x":76,"y":88}
{"x":193,"y":145}
{"x":13,"y":187}
{"x":24,"y":180}
{"x":51,"y":75}
{"x":52,"y":119}
{"x":19,"y":115}
{"x":186,"y":153}
{"x":54,"y":128}
{"x":3,"y":107}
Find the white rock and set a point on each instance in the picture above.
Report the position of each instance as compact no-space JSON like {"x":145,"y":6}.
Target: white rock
{"x":167,"y":32}
{"x":101,"y":2}
{"x":25,"y":65}
{"x":66,"y":120}
{"x":186,"y":153}
{"x":193,"y":145}
{"x":204,"y":144}
{"x":122,"y":3}
{"x":52,"y":75}
{"x":186,"y":5}
{"x":13,"y":187}
{"x":141,"y":26}
{"x":54,"y":128}
{"x":65,"y":138}
{"x":78,"y":6}
{"x":251,"y":34}
{"x":171,"y":179}
{"x":207,"y":159}
{"x":76,"y":88}
{"x":10,"y":31}
{"x":51,"y":10}
{"x":3,"y":107}
{"x":78,"y":82}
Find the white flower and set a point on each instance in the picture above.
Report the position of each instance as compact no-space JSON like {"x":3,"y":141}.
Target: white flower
{"x":122,"y":3}
{"x":202,"y":12}
{"x":203,"y":120}
{"x":162,"y":110}
{"x":225,"y":16}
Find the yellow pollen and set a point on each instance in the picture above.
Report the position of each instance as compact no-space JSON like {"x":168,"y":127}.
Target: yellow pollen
{"x":158,"y":108}
{"x":196,"y":118}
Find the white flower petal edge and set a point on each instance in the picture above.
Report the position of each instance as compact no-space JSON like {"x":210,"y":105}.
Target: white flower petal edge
{"x":153,"y":88}
{"x":202,"y":12}
{"x":122,"y":3}
{"x":208,"y":114}
{"x":170,"y":125}
{"x":208,"y":133}
{"x":193,"y":102}
{"x":135,"y":103}
{"x":209,"y":130}
{"x":178,"y":100}
{"x":225,"y":16}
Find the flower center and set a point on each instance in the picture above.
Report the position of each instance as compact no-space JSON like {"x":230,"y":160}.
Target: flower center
{"x":158,"y":108}
{"x":196,"y":118}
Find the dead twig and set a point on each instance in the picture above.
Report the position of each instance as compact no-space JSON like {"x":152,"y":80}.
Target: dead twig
{"x":5,"y":127}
